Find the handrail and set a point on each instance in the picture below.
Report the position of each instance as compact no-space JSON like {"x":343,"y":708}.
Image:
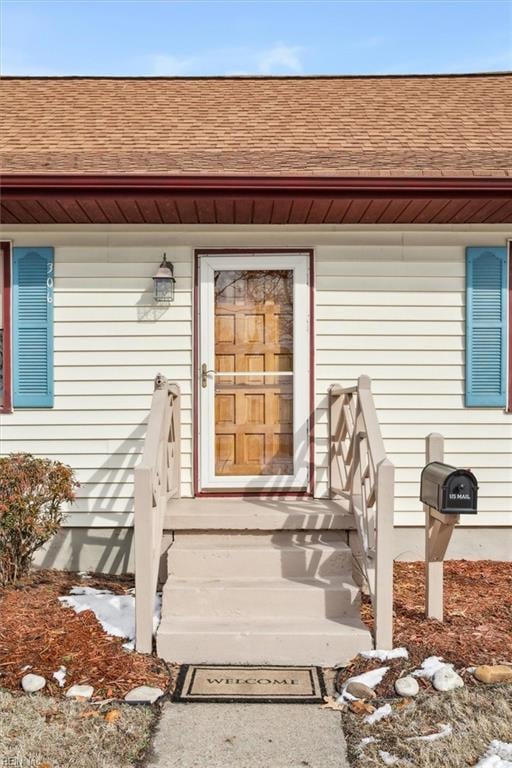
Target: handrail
{"x":156,"y":480}
{"x":360,"y":468}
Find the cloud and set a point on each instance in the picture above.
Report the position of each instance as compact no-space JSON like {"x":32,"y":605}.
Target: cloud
{"x":279,"y":59}
{"x":164,"y":64}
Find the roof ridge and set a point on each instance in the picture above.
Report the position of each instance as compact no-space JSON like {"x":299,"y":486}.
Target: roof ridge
{"x":402,"y":76}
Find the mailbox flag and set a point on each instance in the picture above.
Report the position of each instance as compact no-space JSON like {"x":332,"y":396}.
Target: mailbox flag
{"x":486,"y":326}
{"x":32,"y":310}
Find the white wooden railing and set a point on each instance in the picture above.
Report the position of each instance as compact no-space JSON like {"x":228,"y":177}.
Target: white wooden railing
{"x":156,"y":479}
{"x":361,"y":472}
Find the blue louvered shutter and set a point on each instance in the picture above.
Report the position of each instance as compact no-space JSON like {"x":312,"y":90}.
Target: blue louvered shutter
{"x":486,"y":326}
{"x":32,"y":309}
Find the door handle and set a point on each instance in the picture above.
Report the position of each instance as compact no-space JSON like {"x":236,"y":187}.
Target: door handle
{"x":204,"y":375}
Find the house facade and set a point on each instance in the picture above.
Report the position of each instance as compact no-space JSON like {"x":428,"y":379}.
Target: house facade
{"x":319,"y":230}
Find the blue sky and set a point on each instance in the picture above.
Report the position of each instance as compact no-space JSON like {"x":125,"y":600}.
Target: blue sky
{"x":206,"y":37}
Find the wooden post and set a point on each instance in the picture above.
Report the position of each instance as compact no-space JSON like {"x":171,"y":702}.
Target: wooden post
{"x":383,"y":607}
{"x":438,"y":532}
{"x":144,"y":596}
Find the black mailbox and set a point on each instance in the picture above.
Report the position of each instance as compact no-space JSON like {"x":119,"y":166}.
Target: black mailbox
{"x":448,"y":489}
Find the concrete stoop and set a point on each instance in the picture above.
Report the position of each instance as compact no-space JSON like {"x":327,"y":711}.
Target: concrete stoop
{"x":261,"y":598}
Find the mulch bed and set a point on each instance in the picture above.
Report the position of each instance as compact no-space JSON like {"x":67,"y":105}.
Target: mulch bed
{"x":37,"y":630}
{"x":477,"y":627}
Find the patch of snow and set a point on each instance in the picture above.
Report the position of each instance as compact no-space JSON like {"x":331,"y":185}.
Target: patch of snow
{"x":84,"y":575}
{"x":367,"y":740}
{"x":387,"y":758}
{"x":60,"y":676}
{"x":430,"y":666}
{"x":445,"y":730}
{"x":396,"y":653}
{"x":115,"y":613}
{"x":499,"y":755}
{"x":371,"y":679}
{"x":379,"y":713}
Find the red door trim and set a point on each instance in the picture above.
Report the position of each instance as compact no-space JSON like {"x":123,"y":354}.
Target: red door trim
{"x":509,"y":357}
{"x":196,"y":363}
{"x":5,"y":250}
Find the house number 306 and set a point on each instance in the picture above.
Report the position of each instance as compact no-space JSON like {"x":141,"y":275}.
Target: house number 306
{"x":49,"y":285}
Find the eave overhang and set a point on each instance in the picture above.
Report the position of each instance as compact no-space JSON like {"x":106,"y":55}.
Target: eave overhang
{"x":145,"y":199}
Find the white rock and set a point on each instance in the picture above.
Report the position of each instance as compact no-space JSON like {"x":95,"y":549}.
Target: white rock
{"x":379,"y":713}
{"x":32,"y":683}
{"x":144,"y":694}
{"x":407,"y":686}
{"x":84,"y":691}
{"x":446,"y":679}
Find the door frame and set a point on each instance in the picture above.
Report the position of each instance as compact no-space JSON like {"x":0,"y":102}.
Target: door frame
{"x":261,"y":492}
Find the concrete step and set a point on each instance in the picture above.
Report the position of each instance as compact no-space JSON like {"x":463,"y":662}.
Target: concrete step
{"x":283,"y":554}
{"x":276,"y":640}
{"x":258,"y":514}
{"x":260,"y":597}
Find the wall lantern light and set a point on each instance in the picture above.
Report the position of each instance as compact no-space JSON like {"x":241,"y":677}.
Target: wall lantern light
{"x":164,"y":282}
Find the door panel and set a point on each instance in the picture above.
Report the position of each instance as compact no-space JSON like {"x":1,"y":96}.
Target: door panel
{"x":254,"y":426}
{"x":252,"y":334}
{"x":254,"y":421}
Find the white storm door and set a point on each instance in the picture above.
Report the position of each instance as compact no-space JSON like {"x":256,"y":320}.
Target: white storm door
{"x":254,"y":358}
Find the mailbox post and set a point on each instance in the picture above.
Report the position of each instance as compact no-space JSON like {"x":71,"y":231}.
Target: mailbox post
{"x":446,"y":493}
{"x":437,"y":538}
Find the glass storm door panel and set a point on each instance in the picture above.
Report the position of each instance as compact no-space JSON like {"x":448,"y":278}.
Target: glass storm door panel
{"x":254,"y":377}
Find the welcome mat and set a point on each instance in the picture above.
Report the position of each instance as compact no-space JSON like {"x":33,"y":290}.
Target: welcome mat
{"x":259,"y":684}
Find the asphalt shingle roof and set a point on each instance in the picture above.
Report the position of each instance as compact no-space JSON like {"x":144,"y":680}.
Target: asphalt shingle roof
{"x":457,"y":125}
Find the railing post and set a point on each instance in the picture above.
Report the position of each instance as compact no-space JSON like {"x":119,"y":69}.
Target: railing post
{"x":143,"y":527}
{"x":160,"y":381}
{"x":364,"y":382}
{"x":383,"y":605}
{"x":335,"y":408}
{"x":176,"y":416}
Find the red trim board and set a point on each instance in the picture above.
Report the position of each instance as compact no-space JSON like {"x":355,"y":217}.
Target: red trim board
{"x":6,"y":405}
{"x":509,"y":357}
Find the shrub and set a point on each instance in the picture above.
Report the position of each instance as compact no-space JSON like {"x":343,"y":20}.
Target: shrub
{"x":32,"y":492}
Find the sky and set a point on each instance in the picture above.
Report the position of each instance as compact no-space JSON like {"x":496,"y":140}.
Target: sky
{"x":254,"y":37}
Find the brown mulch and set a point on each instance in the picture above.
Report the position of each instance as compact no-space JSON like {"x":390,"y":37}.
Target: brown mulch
{"x":37,"y":630}
{"x":477,"y":627}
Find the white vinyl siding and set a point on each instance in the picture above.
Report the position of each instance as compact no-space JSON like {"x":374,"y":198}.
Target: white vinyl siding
{"x":110,"y":341}
{"x":398,"y":316}
{"x":389,"y":303}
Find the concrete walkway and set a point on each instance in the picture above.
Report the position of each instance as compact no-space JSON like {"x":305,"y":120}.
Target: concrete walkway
{"x":248,"y":736}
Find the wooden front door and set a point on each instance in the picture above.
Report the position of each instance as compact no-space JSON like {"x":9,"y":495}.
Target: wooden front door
{"x":254,"y":372}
